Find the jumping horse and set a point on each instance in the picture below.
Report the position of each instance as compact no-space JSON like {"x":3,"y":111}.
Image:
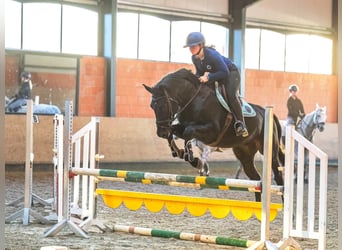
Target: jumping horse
{"x":190,"y":110}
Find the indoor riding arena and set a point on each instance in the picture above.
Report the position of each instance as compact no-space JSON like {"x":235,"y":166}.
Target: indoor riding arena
{"x":105,"y":151}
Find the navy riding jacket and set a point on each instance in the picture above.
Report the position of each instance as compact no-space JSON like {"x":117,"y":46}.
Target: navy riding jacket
{"x":213,"y":62}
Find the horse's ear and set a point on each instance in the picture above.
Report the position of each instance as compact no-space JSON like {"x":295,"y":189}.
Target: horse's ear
{"x":149,"y":89}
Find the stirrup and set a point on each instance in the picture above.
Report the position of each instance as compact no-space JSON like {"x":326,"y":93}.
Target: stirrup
{"x":240,"y":129}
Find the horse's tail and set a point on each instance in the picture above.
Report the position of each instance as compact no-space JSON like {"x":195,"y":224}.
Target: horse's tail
{"x":278,"y":128}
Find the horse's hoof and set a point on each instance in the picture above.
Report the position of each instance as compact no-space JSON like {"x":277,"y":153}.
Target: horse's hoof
{"x":201,"y":173}
{"x":186,"y":157}
{"x":174,"y":154}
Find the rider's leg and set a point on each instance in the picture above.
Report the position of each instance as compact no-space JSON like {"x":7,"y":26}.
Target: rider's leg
{"x":232,"y":94}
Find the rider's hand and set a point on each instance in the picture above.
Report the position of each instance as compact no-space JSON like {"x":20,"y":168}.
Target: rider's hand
{"x":204,"y":78}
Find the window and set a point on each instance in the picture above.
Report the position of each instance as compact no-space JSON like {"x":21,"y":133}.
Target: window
{"x":320,"y":55}
{"x":272,"y":50}
{"x":252,"y":48}
{"x":127,"y":35}
{"x":41,"y":26}
{"x":154,"y":38}
{"x":179,"y":32}
{"x":217,"y":36}
{"x":13,"y":24}
{"x":297,"y":53}
{"x":293,"y":53}
{"x":80,"y":29}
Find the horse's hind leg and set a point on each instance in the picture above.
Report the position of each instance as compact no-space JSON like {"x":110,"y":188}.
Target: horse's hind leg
{"x":201,"y":162}
{"x":238,"y":172}
{"x":246,"y":155}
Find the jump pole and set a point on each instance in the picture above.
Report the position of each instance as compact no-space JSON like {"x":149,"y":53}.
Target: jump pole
{"x":177,"y":180}
{"x":28,"y":197}
{"x":218,"y":240}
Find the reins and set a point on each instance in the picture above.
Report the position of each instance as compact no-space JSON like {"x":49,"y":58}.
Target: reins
{"x":188,"y":103}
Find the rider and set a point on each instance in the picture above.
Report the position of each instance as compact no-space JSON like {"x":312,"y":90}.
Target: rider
{"x":23,"y":93}
{"x":294,"y":106}
{"x":211,"y":66}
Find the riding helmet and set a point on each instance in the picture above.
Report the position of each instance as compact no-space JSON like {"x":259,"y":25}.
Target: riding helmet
{"x":194,"y":38}
{"x":293,"y":87}
{"x":26,"y":75}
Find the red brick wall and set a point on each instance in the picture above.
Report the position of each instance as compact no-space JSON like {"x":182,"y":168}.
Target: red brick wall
{"x":267,"y":88}
{"x":271,"y":88}
{"x":92,"y":91}
{"x":132,"y":100}
{"x":53,"y":88}
{"x":12,"y":74}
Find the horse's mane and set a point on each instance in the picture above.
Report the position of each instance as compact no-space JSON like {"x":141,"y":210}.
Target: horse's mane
{"x":183,"y":74}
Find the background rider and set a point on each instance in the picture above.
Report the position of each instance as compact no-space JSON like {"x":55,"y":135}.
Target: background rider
{"x":294,"y":106}
{"x":22,"y":94}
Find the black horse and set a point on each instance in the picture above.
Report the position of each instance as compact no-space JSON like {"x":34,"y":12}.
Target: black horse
{"x":185,"y":107}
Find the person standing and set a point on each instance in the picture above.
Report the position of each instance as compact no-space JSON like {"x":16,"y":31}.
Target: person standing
{"x":211,"y":66}
{"x":294,"y":106}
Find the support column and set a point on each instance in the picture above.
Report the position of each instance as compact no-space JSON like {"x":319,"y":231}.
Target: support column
{"x":2,"y":124}
{"x":237,"y":12}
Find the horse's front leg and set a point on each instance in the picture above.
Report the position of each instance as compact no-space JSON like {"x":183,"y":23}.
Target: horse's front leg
{"x":188,"y":152}
{"x":176,"y":152}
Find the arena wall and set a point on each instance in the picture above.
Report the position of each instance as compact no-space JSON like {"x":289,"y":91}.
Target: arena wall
{"x":266,"y":88}
{"x":121,"y":140}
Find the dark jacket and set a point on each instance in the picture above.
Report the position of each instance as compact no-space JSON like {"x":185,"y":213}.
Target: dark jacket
{"x":24,"y":91}
{"x":295,"y":108}
{"x":213,"y":62}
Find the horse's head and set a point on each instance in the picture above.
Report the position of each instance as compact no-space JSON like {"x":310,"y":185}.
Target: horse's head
{"x":169,"y":97}
{"x":320,"y":117}
{"x":164,"y":108}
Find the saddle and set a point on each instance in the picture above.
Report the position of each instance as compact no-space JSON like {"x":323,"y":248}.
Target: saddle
{"x":247,"y":109}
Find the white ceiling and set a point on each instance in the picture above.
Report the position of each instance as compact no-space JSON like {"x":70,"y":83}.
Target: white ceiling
{"x":308,"y":14}
{"x":316,"y":14}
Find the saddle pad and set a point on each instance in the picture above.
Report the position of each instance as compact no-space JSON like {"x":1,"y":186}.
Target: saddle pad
{"x":247,"y":109}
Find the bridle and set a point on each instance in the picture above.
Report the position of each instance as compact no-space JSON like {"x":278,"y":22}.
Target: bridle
{"x":316,"y":125}
{"x":167,"y":123}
